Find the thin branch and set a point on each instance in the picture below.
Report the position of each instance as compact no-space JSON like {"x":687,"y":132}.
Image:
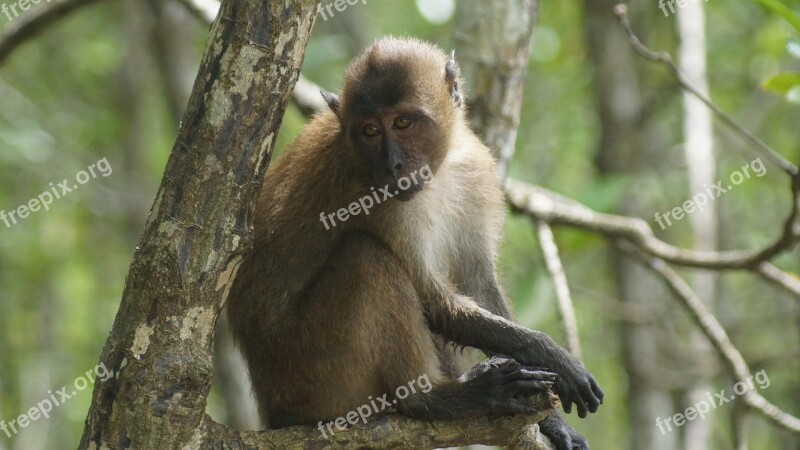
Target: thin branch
{"x":32,"y":23}
{"x":621,"y":11}
{"x":307,"y":98}
{"x":717,"y":335}
{"x":566,"y":309}
{"x":205,"y":10}
{"x":780,"y":278}
{"x":791,"y":228}
{"x":542,"y":204}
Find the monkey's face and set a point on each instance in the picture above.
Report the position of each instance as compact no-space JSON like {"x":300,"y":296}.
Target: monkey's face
{"x":402,"y":146}
{"x":399,"y":103}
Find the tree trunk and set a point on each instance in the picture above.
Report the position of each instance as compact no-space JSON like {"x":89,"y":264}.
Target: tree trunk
{"x":494,"y":44}
{"x":698,"y":146}
{"x":200,"y":224}
{"x":620,"y":108}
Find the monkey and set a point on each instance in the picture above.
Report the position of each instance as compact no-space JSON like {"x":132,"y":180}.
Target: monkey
{"x":375,"y":240}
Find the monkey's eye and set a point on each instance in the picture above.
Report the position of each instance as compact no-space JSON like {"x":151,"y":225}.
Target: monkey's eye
{"x":370,"y":130}
{"x":402,"y":122}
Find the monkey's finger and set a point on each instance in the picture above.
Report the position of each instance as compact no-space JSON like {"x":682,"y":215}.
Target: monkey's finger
{"x":566,"y":403}
{"x":597,"y":391}
{"x":589,"y":399}
{"x":593,"y":395}
{"x":528,"y":374}
{"x":541,"y":370}
{"x":527,"y":386}
{"x":581,"y":406}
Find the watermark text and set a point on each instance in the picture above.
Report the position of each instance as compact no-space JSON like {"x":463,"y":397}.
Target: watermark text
{"x":703,"y":407}
{"x":712,"y":192}
{"x":367,"y":409}
{"x":56,"y":191}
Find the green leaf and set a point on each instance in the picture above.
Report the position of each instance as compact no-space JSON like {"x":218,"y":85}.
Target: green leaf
{"x":782,"y":82}
{"x":782,"y":10}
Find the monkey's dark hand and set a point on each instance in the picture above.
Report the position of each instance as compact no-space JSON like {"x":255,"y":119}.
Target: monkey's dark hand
{"x":561,"y":434}
{"x":577,"y":385}
{"x":504,"y":384}
{"x":574,"y":385}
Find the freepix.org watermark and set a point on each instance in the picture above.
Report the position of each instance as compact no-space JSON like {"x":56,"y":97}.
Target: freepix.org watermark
{"x":58,"y":398}
{"x":339,"y":5}
{"x":368,"y":409}
{"x":56,"y":191}
{"x":700,"y":200}
{"x":703,"y":407}
{"x":664,"y":4}
{"x":366,"y":202}
{"x":23,"y":5}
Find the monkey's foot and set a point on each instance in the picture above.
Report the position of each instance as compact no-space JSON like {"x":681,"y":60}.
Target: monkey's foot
{"x":563,"y":436}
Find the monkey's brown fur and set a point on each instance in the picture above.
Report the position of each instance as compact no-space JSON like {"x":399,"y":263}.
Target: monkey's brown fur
{"x":329,"y":317}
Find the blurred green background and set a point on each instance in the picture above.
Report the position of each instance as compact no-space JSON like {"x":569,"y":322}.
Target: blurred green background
{"x":92,"y":87}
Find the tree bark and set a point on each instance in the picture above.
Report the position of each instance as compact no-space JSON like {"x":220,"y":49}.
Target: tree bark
{"x":494,"y":42}
{"x":199,"y":226}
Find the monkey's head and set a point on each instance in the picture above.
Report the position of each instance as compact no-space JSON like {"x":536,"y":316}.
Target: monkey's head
{"x":398,"y":107}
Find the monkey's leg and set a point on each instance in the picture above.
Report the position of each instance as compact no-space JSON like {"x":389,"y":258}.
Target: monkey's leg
{"x":379,"y":306}
{"x":328,"y":350}
{"x":355,"y":333}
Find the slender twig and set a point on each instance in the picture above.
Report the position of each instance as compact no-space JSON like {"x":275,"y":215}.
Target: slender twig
{"x":780,"y":278}
{"x":566,"y":309}
{"x":205,"y":10}
{"x":791,"y":230}
{"x":621,"y":11}
{"x":716,"y":334}
{"x":306,"y":96}
{"x":556,"y":209}
{"x":32,"y":23}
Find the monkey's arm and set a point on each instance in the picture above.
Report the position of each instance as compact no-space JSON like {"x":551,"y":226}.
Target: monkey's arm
{"x":480,"y":284}
{"x":462,"y":321}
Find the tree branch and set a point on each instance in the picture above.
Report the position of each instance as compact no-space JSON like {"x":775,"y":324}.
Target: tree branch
{"x":716,"y":335}
{"x":205,"y":10}
{"x":555,"y":209}
{"x":621,"y":11}
{"x":34,"y":22}
{"x":566,"y":309}
{"x":394,"y":431}
{"x":306,"y":96}
{"x":791,"y":228}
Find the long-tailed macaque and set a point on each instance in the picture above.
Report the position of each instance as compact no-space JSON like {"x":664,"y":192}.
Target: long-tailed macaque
{"x":376,"y":235}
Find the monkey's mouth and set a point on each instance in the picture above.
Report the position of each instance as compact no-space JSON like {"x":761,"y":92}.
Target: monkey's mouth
{"x":407,"y":194}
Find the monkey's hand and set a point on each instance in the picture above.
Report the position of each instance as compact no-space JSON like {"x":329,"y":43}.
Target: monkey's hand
{"x":504,"y":384}
{"x":561,"y":434}
{"x":574,"y":385}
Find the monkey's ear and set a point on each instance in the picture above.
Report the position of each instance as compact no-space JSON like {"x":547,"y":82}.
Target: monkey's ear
{"x":332,"y":100}
{"x":451,"y":72}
